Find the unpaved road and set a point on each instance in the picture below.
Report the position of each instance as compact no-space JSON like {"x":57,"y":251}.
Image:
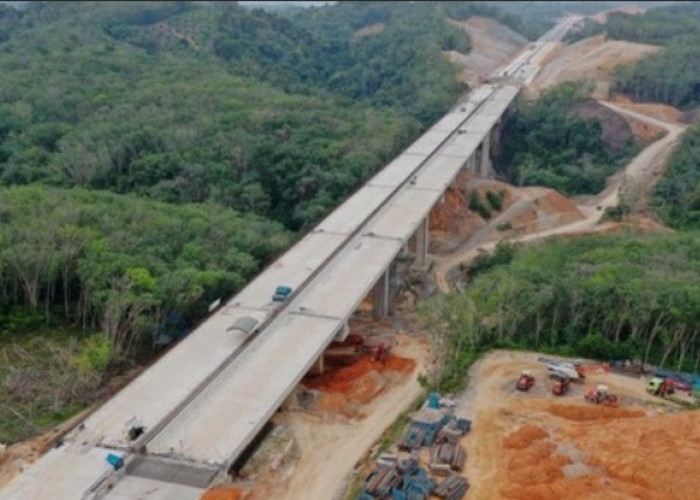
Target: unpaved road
{"x":636,"y":181}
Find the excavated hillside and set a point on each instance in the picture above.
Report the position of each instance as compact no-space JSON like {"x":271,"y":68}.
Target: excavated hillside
{"x":493,"y":44}
{"x":591,"y":59}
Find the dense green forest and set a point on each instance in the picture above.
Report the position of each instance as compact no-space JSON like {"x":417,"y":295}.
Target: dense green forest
{"x":677,"y":194}
{"x":549,"y":144}
{"x":613,"y":296}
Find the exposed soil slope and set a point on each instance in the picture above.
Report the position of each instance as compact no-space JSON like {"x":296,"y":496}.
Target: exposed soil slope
{"x":591,"y":59}
{"x":493,"y":44}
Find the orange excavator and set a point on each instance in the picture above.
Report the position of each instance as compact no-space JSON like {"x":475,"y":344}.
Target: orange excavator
{"x":601,"y":395}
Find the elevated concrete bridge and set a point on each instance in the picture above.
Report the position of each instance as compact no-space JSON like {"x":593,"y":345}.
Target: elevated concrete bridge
{"x":205,"y":400}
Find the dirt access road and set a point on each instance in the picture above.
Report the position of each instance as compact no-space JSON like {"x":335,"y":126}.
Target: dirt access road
{"x":635,"y":182}
{"x":533,"y":445}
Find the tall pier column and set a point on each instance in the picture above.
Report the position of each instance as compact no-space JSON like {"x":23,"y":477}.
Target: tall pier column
{"x":422,"y":237}
{"x":485,"y":168}
{"x":381,"y":296}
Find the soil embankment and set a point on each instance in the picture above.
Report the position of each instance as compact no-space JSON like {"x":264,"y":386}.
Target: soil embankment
{"x":493,"y":44}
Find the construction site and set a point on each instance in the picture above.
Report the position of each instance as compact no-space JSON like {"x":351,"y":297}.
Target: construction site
{"x":361,"y":425}
{"x":526,"y":427}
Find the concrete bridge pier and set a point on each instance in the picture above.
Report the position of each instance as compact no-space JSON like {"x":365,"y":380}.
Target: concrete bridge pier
{"x":422,"y":240}
{"x":485,"y":166}
{"x":381,"y":296}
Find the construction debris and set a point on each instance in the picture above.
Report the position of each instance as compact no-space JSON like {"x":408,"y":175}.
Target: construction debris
{"x":434,"y":426}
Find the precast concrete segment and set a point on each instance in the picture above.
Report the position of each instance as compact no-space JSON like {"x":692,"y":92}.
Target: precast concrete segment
{"x":442,"y":171}
{"x":396,"y":172}
{"x":223,"y":420}
{"x":132,"y":487}
{"x":481,"y":124}
{"x":340,"y":288}
{"x":151,"y":395}
{"x":463,"y":147}
{"x":291,"y":269}
{"x":357,"y":208}
{"x":448,"y":123}
{"x":65,"y":472}
{"x":407,"y":210}
{"x":427,"y":143}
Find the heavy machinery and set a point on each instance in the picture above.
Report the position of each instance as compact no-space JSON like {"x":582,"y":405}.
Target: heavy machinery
{"x":661,"y":386}
{"x":601,"y":395}
{"x":526,"y":381}
{"x":380,"y":352}
{"x":573,"y":372}
{"x":560,"y":385}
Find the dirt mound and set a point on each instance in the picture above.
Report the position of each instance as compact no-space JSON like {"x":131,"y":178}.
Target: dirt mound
{"x":348,"y":378}
{"x":592,"y":412}
{"x":546,"y":209}
{"x":524,"y":437}
{"x":223,"y":493}
{"x":493,"y":44}
{"x":591,"y":59}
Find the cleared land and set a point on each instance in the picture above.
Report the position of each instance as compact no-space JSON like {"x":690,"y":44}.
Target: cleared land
{"x":534,"y":445}
{"x":592,"y":59}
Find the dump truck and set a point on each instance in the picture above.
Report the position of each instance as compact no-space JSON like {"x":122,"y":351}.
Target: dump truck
{"x":660,"y":386}
{"x":560,"y":384}
{"x":601,"y":395}
{"x":526,"y":381}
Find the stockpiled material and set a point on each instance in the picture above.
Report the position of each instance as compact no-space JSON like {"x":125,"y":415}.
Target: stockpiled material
{"x":452,"y":488}
{"x":451,"y":455}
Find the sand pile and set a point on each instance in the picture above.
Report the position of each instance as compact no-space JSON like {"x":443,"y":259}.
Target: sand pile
{"x":223,"y":493}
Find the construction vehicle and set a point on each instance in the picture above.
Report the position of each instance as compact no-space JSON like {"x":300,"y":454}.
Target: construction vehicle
{"x":281,"y":293}
{"x":380,"y":352}
{"x":661,"y":386}
{"x":526,"y":381}
{"x":573,"y":372}
{"x":601,"y":395}
{"x":560,"y":385}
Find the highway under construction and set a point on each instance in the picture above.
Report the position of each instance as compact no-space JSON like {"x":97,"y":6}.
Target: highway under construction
{"x":182,"y":423}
